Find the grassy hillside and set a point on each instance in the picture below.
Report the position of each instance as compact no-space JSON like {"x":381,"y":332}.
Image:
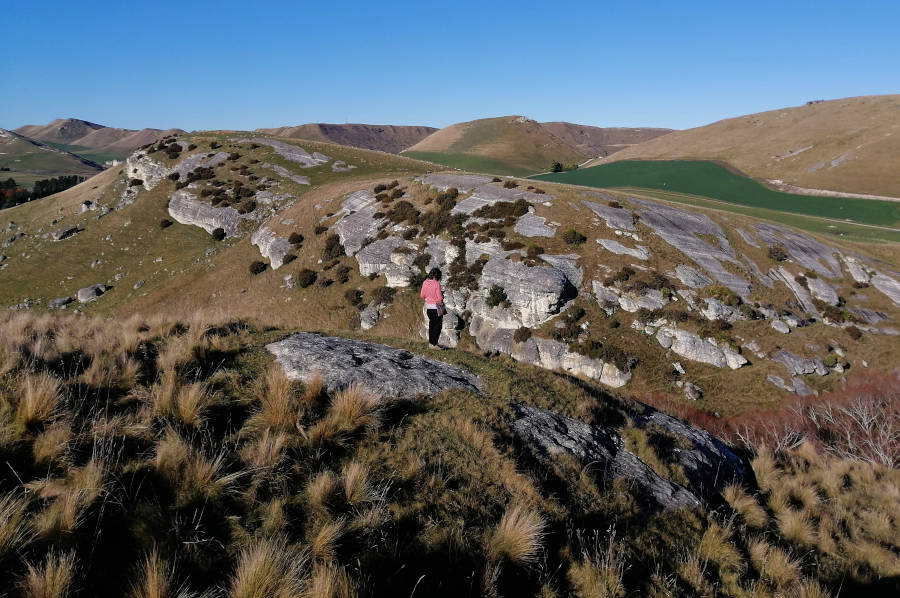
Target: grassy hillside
{"x":847,"y":145}
{"x":711,"y":180}
{"x":151,"y":457}
{"x":602,"y":141}
{"x":29,"y":160}
{"x":386,"y":138}
{"x":512,"y":145}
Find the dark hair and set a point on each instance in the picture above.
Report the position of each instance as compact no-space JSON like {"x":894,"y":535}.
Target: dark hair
{"x":435,"y":274}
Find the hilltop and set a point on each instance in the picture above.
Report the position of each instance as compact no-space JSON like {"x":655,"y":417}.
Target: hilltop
{"x":386,"y":138}
{"x":602,"y":141}
{"x":90,"y":140}
{"x":28,"y":160}
{"x":848,"y":145}
{"x":512,"y":145}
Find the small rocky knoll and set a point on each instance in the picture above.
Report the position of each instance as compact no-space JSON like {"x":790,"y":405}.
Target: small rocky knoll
{"x":388,"y":371}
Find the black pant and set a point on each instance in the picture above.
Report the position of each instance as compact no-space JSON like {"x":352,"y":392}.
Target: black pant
{"x":434,"y":326}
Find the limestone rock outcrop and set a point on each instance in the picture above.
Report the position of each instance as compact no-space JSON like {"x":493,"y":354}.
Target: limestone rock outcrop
{"x":690,"y":346}
{"x":186,"y":209}
{"x":271,"y":246}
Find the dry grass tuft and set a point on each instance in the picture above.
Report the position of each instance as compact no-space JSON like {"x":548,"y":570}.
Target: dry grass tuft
{"x":39,"y":401}
{"x":715,"y":547}
{"x":351,"y":410}
{"x":278,"y":405}
{"x":796,"y":527}
{"x":15,"y":531}
{"x":52,"y":444}
{"x":313,"y":389}
{"x":321,"y":490}
{"x":190,"y":403}
{"x":356,"y":483}
{"x":156,"y":579}
{"x":517,"y":537}
{"x":746,"y":506}
{"x":598,"y":574}
{"x":264,"y":454}
{"x":71,"y":498}
{"x":330,"y":582}
{"x":325,"y":540}
{"x":53,"y":579}
{"x":269,"y":568}
{"x":773,"y":563}
{"x":191,"y":473}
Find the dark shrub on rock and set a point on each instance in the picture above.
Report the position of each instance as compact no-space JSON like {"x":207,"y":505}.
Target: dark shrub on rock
{"x":353,"y":296}
{"x":778,"y":253}
{"x":383,"y":295}
{"x":320,"y":228}
{"x":496,"y":179}
{"x":288,"y":258}
{"x":522,"y":334}
{"x":165,"y":223}
{"x":333,"y":248}
{"x":258,"y":267}
{"x":496,"y":295}
{"x":397,"y":193}
{"x":854,"y":332}
{"x":174,"y":176}
{"x":503,"y":209}
{"x":573,"y":237}
{"x":135,"y":182}
{"x":614,"y":204}
{"x":343,"y":274}
{"x":191,"y":147}
{"x":306,"y":277}
{"x":218,"y":234}
{"x":510,"y":185}
{"x":325,"y":282}
{"x":295,"y":239}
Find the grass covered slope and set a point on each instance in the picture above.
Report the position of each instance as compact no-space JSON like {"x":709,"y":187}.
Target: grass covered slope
{"x":511,"y":145}
{"x":386,"y":138}
{"x":848,"y":145}
{"x":154,"y":457}
{"x":602,"y":141}
{"x":29,"y":160}
{"x":709,"y":179}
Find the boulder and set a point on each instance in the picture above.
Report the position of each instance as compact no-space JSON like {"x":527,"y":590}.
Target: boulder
{"x":464,"y":183}
{"x":285,"y":173}
{"x":616,"y":218}
{"x":887,"y":285}
{"x":532,"y":225}
{"x":651,"y":299}
{"x":857,"y":271}
{"x":292,"y":152}
{"x":780,"y":326}
{"x":804,"y":251}
{"x":65,"y":233}
{"x":567,"y":263}
{"x":386,"y":370}
{"x":549,"y":434}
{"x":91,"y":293}
{"x":186,"y":209}
{"x":781,"y":274}
{"x":716,"y":310}
{"x":692,"y":391}
{"x":641,"y":253}
{"x":271,"y":246}
{"x":61,"y":302}
{"x":797,"y":365}
{"x":822,"y":291}
{"x":536,"y":293}
{"x":375,"y":258}
{"x":690,"y":346}
{"x":691,"y":277}
{"x":358,"y":223}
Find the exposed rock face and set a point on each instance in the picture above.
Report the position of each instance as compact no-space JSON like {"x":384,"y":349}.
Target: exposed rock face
{"x":376,"y":257}
{"x":284,"y":172}
{"x":716,"y":310}
{"x":805,"y":251}
{"x":822,"y":291}
{"x":531,"y":225}
{"x":566,"y":263}
{"x":186,"y":209}
{"x":61,"y":302}
{"x":271,"y":246}
{"x":293,"y":152}
{"x":550,"y":434}
{"x":449,"y":336}
{"x":779,"y":382}
{"x":616,"y":218}
{"x":141,"y":166}
{"x":747,"y":237}
{"x":797,"y":365}
{"x":690,"y":277}
{"x":341,"y":166}
{"x":690,"y":346}
{"x":65,"y":233}
{"x":641,"y":253}
{"x":781,"y":327}
{"x":91,"y":293}
{"x":536,"y":293}
{"x":802,"y":295}
{"x":358,"y":222}
{"x":651,"y":299}
{"x":488,"y":195}
{"x":887,"y":285}
{"x":692,"y":392}
{"x":463,"y":182}
{"x":857,"y":271}
{"x":380,"y":368}
{"x":680,"y":229}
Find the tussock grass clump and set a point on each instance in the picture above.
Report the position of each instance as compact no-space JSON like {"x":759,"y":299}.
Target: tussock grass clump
{"x":51,"y":579}
{"x":599,"y":572}
{"x":269,"y":568}
{"x":517,"y":537}
{"x":14,"y":528}
{"x":39,"y":400}
{"x":351,"y":410}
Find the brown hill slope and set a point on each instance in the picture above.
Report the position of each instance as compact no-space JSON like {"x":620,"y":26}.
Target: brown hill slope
{"x":386,"y":138}
{"x":504,"y":145}
{"x":27,"y":160}
{"x":602,"y":141}
{"x":83,"y":134}
{"x":848,"y":145}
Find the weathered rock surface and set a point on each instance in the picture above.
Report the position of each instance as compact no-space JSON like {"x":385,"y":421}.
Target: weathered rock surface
{"x":550,"y":434}
{"x":294,"y":153}
{"x":616,"y":218}
{"x":681,"y":229}
{"x":358,"y":222}
{"x":887,"y":285}
{"x":857,"y":271}
{"x":464,"y":183}
{"x":716,"y":310}
{"x":799,"y":291}
{"x":805,"y":251}
{"x":779,"y":382}
{"x":488,"y":195}
{"x":822,"y":291}
{"x":284,"y":172}
{"x":341,"y":166}
{"x":567,"y":263}
{"x":532,"y":225}
{"x":691,"y":277}
{"x":271,"y":246}
{"x":780,"y":326}
{"x":186,"y":209}
{"x":376,"y":258}
{"x":690,"y":346}
{"x":651,"y":299}
{"x":386,"y":370}
{"x":60,"y":302}
{"x":797,"y":365}
{"x":638,"y":252}
{"x":91,"y":293}
{"x":65,"y":233}
{"x":536,"y":293}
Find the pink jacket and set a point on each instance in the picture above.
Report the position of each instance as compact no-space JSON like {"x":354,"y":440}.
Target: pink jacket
{"x":431,"y":292}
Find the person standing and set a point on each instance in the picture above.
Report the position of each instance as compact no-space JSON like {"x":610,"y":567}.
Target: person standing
{"x":434,"y":305}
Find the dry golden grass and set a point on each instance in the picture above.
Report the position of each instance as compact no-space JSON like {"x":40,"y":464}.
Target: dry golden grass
{"x":356,"y":483}
{"x":324,"y":542}
{"x":15,"y":530}
{"x":52,"y":444}
{"x":313,"y":389}
{"x":599,"y":572}
{"x":71,"y":497}
{"x":278,"y":405}
{"x":716,"y":547}
{"x":155,"y":580}
{"x":796,"y":527}
{"x":266,"y":452}
{"x":329,"y":582}
{"x":517,"y":537}
{"x":321,"y":490}
{"x":190,"y":403}
{"x":745,"y":506}
{"x":191,"y":473}
{"x":40,"y":396}
{"x":53,"y":579}
{"x":269,"y":568}
{"x":351,"y":410}
{"x":773,"y":563}
{"x":766,"y":470}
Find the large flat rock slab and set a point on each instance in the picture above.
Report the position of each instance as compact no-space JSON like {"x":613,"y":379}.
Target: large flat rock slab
{"x":387,"y":370}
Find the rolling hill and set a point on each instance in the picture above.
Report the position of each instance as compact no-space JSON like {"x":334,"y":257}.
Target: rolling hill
{"x":512,"y":145}
{"x":29,"y":160}
{"x":602,"y":141}
{"x":386,"y":138}
{"x":848,"y":145}
{"x":95,"y":142}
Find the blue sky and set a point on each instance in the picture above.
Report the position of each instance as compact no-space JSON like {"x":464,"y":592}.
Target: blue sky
{"x":248,"y":64}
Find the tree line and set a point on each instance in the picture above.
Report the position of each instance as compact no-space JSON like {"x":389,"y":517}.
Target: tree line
{"x":12,"y":194}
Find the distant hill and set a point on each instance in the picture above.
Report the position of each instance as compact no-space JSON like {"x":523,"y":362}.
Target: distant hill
{"x":386,"y":138}
{"x":601,"y":141}
{"x":95,"y":142}
{"x":29,"y":160}
{"x":512,"y":145}
{"x":849,"y":145}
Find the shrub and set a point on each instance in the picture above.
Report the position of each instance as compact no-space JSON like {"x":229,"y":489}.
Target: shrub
{"x":496,"y":295}
{"x":724,"y":294}
{"x":192,"y":147}
{"x":522,"y":334}
{"x":778,"y":253}
{"x":257,"y":267}
{"x":510,"y":185}
{"x":410,"y":233}
{"x":496,"y":179}
{"x":306,"y":277}
{"x":234,"y":156}
{"x":295,"y":239}
{"x":573,"y":237}
{"x":326,"y":282}
{"x":383,"y":295}
{"x":165,"y":223}
{"x":503,"y":209}
{"x":135,"y":182}
{"x":397,"y":193}
{"x":246,"y":207}
{"x":860,"y":285}
{"x":218,"y":234}
{"x":353,"y":296}
{"x":511,"y":245}
{"x":174,"y":176}
{"x":288,"y":258}
{"x":854,"y":332}
{"x":320,"y":228}
{"x":403,"y":211}
{"x":379,"y":188}
{"x":614,"y":204}
{"x":333,"y":248}
{"x":556,"y":167}
{"x":393,"y":184}
{"x":343,"y":274}
{"x":214,"y":145}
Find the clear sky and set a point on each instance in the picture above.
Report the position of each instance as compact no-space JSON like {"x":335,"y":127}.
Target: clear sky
{"x":242,"y":65}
